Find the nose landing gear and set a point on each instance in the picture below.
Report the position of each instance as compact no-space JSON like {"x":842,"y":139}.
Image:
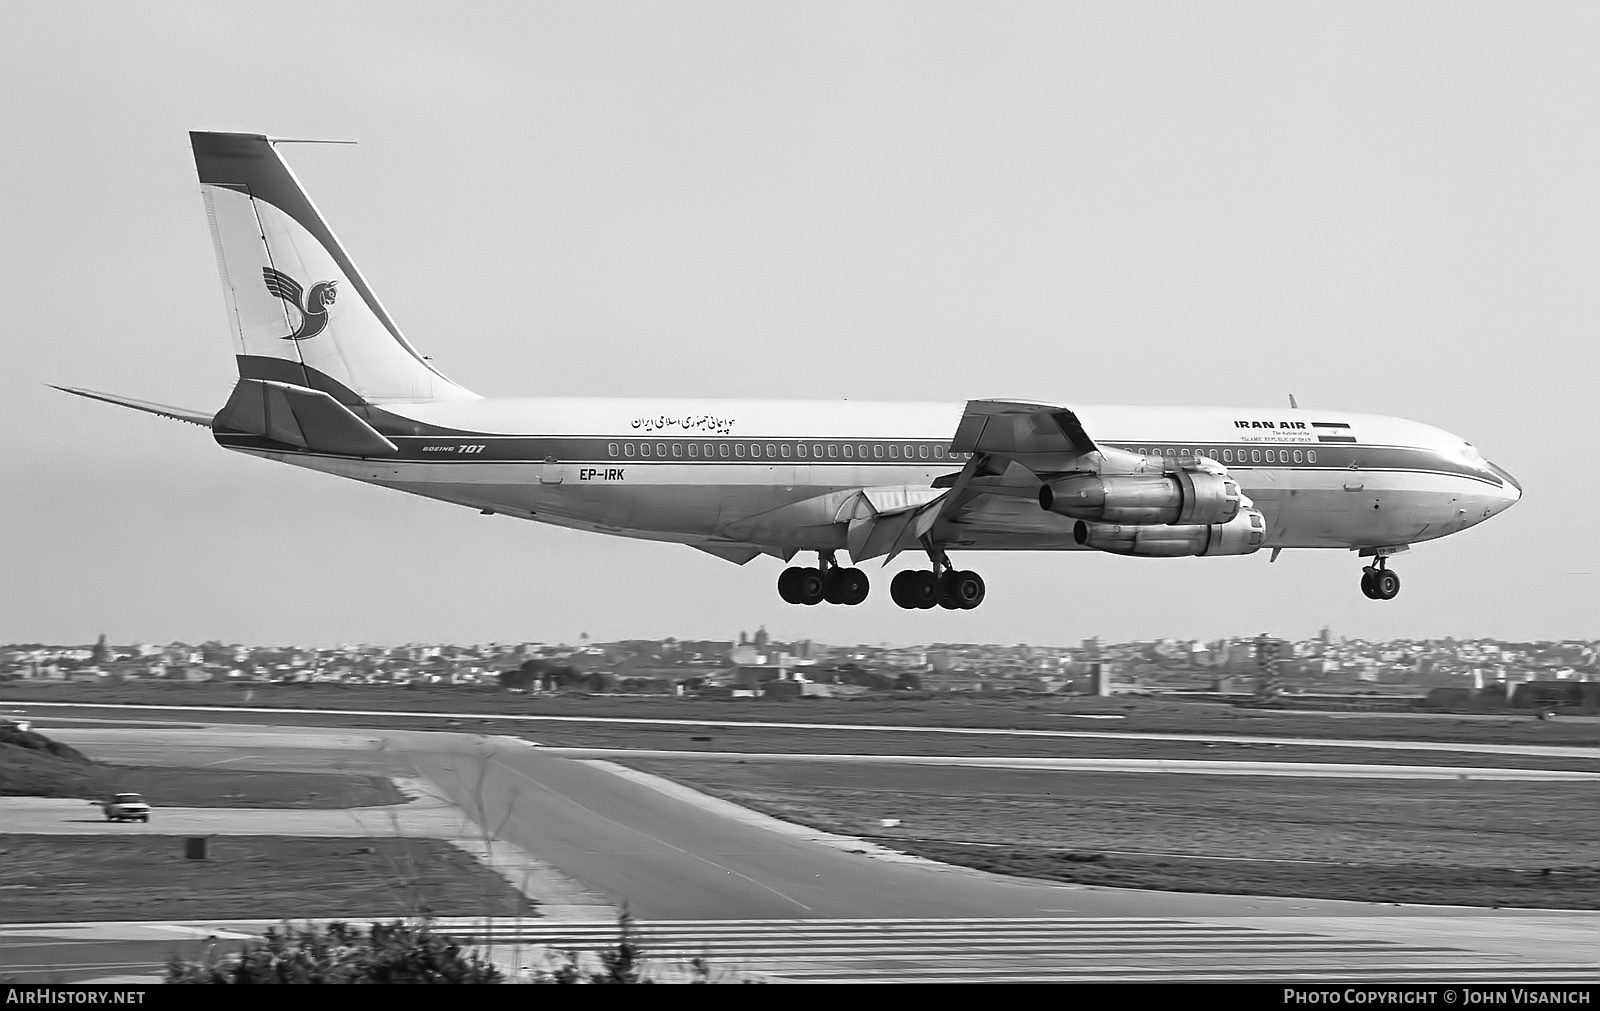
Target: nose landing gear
{"x":1379,"y":582}
{"x":827,"y":582}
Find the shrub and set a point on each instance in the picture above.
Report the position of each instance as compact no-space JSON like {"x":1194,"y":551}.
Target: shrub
{"x":339,"y":953}
{"x":400,"y":953}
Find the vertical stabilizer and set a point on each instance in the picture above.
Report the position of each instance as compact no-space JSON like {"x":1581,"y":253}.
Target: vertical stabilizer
{"x":301,"y":312}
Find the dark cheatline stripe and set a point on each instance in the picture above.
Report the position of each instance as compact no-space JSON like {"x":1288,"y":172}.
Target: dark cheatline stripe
{"x":1336,"y":438}
{"x":1330,"y":424}
{"x":708,"y":451}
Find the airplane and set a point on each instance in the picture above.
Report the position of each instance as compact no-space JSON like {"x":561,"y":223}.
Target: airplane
{"x":327,"y":381}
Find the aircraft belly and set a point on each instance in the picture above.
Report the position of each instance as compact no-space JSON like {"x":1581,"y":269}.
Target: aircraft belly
{"x":1344,"y":509}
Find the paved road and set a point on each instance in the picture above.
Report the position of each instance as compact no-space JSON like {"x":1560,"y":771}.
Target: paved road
{"x":672,"y":857}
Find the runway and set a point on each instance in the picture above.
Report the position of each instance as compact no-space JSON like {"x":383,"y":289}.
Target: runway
{"x":288,"y":715}
{"x":1324,"y":770}
{"x":673,"y":861}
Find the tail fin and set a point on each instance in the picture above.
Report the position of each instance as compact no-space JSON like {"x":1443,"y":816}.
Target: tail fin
{"x":301,"y":312}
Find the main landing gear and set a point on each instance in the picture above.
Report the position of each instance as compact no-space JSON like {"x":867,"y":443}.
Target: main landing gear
{"x":828,"y":582}
{"x":942,"y":586}
{"x":1379,"y":582}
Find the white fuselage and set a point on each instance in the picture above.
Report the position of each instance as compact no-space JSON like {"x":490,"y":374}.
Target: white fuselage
{"x":765,"y":473}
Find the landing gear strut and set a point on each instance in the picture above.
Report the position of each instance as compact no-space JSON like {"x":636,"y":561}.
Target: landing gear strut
{"x":827,"y":582}
{"x":942,"y":586}
{"x":1379,"y":582}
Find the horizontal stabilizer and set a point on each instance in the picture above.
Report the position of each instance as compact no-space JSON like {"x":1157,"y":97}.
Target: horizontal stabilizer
{"x":201,"y":418}
{"x":300,"y":417}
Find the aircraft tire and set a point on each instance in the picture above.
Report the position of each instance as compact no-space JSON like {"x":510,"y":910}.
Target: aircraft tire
{"x":786,"y":584}
{"x":809,"y":587}
{"x":848,"y":586}
{"x":1366,"y":586}
{"x":967,"y":589}
{"x":899,"y":591}
{"x":1386,"y":585}
{"x":923,"y":589}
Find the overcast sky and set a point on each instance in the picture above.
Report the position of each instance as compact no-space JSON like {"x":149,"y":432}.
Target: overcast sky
{"x":1385,"y":207}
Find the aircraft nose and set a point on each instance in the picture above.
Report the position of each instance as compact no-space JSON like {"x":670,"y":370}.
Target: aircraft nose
{"x":1513,"y":486}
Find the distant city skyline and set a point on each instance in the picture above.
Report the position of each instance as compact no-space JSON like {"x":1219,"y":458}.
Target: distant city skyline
{"x":1378,"y":207}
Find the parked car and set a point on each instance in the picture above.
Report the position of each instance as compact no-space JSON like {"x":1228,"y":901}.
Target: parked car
{"x":126,"y":807}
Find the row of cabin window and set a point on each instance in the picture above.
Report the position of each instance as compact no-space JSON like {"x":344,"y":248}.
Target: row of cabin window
{"x":782,"y":450}
{"x":1238,"y":456}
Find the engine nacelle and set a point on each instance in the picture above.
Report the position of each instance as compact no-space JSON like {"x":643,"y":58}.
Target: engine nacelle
{"x":1240,"y":536}
{"x":1185,"y":497}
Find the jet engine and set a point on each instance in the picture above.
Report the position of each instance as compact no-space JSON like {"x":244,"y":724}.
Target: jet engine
{"x":1186,"y":497}
{"x":1241,"y":535}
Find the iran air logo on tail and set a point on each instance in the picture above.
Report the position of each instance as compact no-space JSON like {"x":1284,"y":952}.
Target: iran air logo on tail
{"x":313,"y":311}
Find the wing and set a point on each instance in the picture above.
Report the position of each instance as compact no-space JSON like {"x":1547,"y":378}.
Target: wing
{"x":282,"y":285}
{"x":1039,"y":434}
{"x":1013,"y":446}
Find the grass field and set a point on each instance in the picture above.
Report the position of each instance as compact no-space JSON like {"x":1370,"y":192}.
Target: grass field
{"x":1467,"y":843}
{"x":76,"y":878}
{"x":33,"y":766}
{"x":1018,"y":711}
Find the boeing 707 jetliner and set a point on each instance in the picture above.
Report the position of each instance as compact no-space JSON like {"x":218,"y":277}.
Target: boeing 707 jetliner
{"x":327,"y":381}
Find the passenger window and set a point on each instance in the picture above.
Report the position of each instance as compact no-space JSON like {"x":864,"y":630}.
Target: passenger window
{"x":677,"y":450}
{"x":894,"y":452}
{"x":709,"y":451}
{"x":612,"y":449}
{"x":738,"y":450}
{"x":849,"y":451}
{"x":1171,"y":451}
{"x":628,"y":448}
{"x":661,"y":449}
{"x":783,"y":451}
{"x":1311,"y":456}
{"x":772,"y":451}
{"x":833,"y":451}
{"x":1298,"y":456}
{"x":1227,"y":456}
{"x":877,"y":451}
{"x":922,"y":451}
{"x":644,"y":449}
{"x":863,"y":449}
{"x":694,"y":449}
{"x":1184,"y":451}
{"x":1255,"y":456}
{"x":938,"y":452}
